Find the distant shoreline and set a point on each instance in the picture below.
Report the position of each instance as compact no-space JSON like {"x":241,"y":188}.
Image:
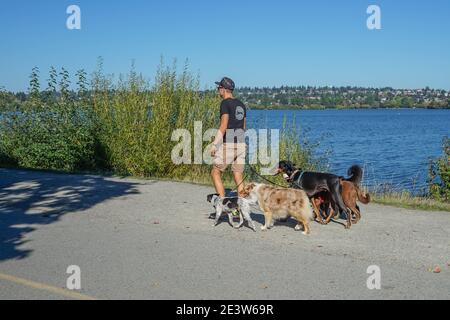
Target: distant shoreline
{"x":343,"y":108}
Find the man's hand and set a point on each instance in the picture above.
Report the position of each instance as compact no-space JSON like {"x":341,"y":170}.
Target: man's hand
{"x":213,"y":150}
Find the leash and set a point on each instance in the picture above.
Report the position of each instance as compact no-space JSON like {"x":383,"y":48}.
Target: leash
{"x":243,"y":180}
{"x":265,"y":179}
{"x":260,"y":176}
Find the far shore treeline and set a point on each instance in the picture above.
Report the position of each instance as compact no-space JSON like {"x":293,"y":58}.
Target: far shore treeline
{"x":302,"y":97}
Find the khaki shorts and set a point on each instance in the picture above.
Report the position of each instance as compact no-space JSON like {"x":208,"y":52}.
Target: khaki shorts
{"x":230,"y":153}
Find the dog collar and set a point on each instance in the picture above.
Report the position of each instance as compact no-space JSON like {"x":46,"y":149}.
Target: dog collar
{"x":297,"y":183}
{"x":293,"y":174}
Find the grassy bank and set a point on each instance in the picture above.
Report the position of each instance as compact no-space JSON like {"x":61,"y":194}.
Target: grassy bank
{"x":407,"y":201}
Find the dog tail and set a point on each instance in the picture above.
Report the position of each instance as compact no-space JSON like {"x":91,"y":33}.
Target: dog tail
{"x":355,"y":174}
{"x":363,"y":198}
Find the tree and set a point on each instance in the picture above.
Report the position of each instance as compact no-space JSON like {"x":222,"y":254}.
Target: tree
{"x":64,"y":84}
{"x":82,"y":85}
{"x":34,"y":89}
{"x":52,"y":82}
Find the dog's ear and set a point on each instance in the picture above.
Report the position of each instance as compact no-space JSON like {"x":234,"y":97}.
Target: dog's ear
{"x":209,"y":197}
{"x":248,"y":188}
{"x":283,"y":166}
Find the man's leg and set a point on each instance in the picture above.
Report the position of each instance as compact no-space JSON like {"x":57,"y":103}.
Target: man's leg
{"x":238,"y":167}
{"x":219,"y":165}
{"x":216,"y":175}
{"x":239,"y":178}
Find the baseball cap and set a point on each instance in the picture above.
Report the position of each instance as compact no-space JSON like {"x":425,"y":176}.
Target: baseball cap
{"x":226,"y":83}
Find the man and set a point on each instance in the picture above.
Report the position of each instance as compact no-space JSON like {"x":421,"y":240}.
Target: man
{"x":229,"y":144}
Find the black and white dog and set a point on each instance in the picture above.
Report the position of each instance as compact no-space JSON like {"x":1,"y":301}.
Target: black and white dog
{"x":228,"y":205}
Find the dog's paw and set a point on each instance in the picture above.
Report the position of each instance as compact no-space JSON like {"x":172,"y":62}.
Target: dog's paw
{"x":305,"y":233}
{"x":264,"y":228}
{"x":298,"y":227}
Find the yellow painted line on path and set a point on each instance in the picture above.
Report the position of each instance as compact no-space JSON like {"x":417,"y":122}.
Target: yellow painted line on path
{"x":45,"y":287}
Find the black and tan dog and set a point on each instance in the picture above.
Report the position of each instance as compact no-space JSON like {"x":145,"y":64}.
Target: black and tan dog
{"x":315,"y":182}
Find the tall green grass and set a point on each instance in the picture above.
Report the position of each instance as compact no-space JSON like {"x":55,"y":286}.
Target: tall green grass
{"x":136,"y":120}
{"x":439,"y":174}
{"x":123,"y":126}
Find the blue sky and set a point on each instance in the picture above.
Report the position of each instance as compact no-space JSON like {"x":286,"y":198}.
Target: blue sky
{"x":257,"y":43}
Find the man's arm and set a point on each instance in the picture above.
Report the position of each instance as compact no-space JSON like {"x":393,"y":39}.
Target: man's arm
{"x":222,"y":129}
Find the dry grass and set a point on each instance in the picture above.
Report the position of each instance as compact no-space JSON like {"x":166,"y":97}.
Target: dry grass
{"x":406,"y":200}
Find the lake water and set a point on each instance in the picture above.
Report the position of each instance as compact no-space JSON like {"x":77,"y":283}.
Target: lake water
{"x":393,"y":145}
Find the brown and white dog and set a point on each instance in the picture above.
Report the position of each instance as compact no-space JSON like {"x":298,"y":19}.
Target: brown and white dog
{"x":350,"y":194}
{"x":278,"y":203}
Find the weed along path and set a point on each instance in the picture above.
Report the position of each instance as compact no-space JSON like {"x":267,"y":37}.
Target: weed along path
{"x":129,"y":238}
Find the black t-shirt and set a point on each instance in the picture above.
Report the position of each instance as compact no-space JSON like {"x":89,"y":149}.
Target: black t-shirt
{"x":237,"y":113}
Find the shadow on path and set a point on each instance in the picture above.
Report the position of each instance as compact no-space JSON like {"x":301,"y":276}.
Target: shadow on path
{"x":31,"y":198}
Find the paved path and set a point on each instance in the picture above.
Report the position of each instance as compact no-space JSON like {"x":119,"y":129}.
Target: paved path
{"x":152,"y":240}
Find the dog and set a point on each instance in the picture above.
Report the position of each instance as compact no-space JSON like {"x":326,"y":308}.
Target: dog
{"x":322,"y":201}
{"x":281,"y":203}
{"x":228,"y":205}
{"x":351,"y":192}
{"x":315,"y":182}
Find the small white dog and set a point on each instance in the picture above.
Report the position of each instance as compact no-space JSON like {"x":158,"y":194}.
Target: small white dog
{"x":228,"y":205}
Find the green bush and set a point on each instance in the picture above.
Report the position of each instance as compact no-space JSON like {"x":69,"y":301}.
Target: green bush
{"x":51,"y":132}
{"x":48,"y":140}
{"x":439,"y":174}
